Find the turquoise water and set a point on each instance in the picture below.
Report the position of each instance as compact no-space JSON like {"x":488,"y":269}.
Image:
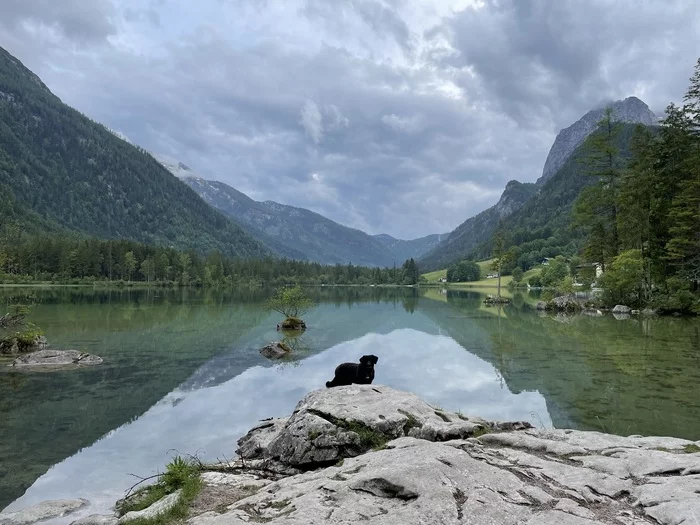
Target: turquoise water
{"x":182,"y":373}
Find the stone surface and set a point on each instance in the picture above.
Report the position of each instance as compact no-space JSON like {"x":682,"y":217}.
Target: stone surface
{"x":541,"y":305}
{"x":97,"y":519}
{"x":621,"y":309}
{"x":254,"y":443}
{"x":434,"y":472}
{"x":56,"y":358}
{"x":293,"y":323}
{"x":159,"y":507}
{"x":275,"y":350}
{"x":346,"y":421}
{"x":11,"y":346}
{"x":42,"y":511}
{"x":564,"y":303}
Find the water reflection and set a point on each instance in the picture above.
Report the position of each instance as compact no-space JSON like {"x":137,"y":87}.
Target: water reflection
{"x":182,"y":370}
{"x":208,"y":421}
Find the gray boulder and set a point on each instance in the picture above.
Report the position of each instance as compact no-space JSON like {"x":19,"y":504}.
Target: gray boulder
{"x":541,"y":306}
{"x":12,"y":346}
{"x":510,"y":475}
{"x":42,"y":511}
{"x":159,"y":507}
{"x":275,"y":350}
{"x":622,"y":309}
{"x":529,"y":477}
{"x":56,"y":359}
{"x":564,"y":303}
{"x":97,"y":519}
{"x":347,"y":421}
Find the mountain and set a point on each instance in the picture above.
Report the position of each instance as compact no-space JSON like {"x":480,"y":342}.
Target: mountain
{"x":66,"y":170}
{"x":631,"y":110}
{"x":476,"y":230}
{"x":299,"y":233}
{"x":414,"y":248}
{"x":226,"y":199}
{"x":314,"y":236}
{"x":542,"y":227}
{"x":537,"y":210}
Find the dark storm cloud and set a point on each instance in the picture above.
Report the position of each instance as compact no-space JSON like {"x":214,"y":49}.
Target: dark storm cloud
{"x":534,"y":58}
{"x":374,"y":113}
{"x":80,"y":20}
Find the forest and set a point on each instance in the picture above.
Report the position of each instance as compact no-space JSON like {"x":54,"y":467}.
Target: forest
{"x":69,"y":259}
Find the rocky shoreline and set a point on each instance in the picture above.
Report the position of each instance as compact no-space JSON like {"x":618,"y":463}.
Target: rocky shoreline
{"x":369,"y":453}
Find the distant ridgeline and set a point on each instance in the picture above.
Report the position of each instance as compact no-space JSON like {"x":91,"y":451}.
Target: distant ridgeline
{"x":64,"y":174}
{"x":537,"y":216}
{"x":300,"y":233}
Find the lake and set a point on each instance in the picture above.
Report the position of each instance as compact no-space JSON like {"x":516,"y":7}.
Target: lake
{"x":182,"y":374}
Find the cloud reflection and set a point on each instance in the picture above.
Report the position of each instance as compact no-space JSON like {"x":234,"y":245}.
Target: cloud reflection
{"x":208,"y":421}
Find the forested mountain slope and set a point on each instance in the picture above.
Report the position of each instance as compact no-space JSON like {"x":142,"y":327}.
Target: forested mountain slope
{"x":476,"y":230}
{"x":65,"y":169}
{"x":543,"y":226}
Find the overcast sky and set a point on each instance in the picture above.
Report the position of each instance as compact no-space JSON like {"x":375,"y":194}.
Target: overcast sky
{"x":396,"y":116}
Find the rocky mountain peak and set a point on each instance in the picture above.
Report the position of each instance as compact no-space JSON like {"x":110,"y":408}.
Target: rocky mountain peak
{"x":630,"y":110}
{"x":513,"y":197}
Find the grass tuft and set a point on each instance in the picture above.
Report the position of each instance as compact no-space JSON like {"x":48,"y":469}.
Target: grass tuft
{"x":179,"y":474}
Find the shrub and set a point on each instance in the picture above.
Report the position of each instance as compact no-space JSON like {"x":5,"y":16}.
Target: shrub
{"x":291,"y":302}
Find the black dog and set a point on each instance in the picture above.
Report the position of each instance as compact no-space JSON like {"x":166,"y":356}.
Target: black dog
{"x":349,"y":373}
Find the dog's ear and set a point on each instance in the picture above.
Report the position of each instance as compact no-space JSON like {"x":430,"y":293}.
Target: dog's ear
{"x":365,"y":359}
{"x":374,"y":359}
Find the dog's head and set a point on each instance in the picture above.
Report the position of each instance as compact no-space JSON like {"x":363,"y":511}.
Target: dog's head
{"x":369,"y":360}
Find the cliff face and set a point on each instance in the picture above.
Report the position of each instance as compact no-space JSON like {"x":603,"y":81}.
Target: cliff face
{"x":631,"y":110}
{"x":475,"y":230}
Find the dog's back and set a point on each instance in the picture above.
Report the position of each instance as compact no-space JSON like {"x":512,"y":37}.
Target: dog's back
{"x":344,"y":374}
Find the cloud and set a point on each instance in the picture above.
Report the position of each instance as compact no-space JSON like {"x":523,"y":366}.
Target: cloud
{"x":86,"y":22}
{"x":402,"y":124}
{"x":311,"y":121}
{"x":413,"y":115}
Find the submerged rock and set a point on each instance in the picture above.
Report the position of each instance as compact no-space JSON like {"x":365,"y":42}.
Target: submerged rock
{"x":56,"y":359}
{"x":275,"y":350}
{"x":493,"y":300}
{"x":42,"y":511}
{"x":541,"y":305}
{"x":423,"y":470}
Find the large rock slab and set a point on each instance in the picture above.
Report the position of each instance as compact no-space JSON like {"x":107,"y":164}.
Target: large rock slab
{"x":347,"y":421}
{"x":368,"y":453}
{"x":457,"y":482}
{"x":50,"y":359}
{"x":42,"y":511}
